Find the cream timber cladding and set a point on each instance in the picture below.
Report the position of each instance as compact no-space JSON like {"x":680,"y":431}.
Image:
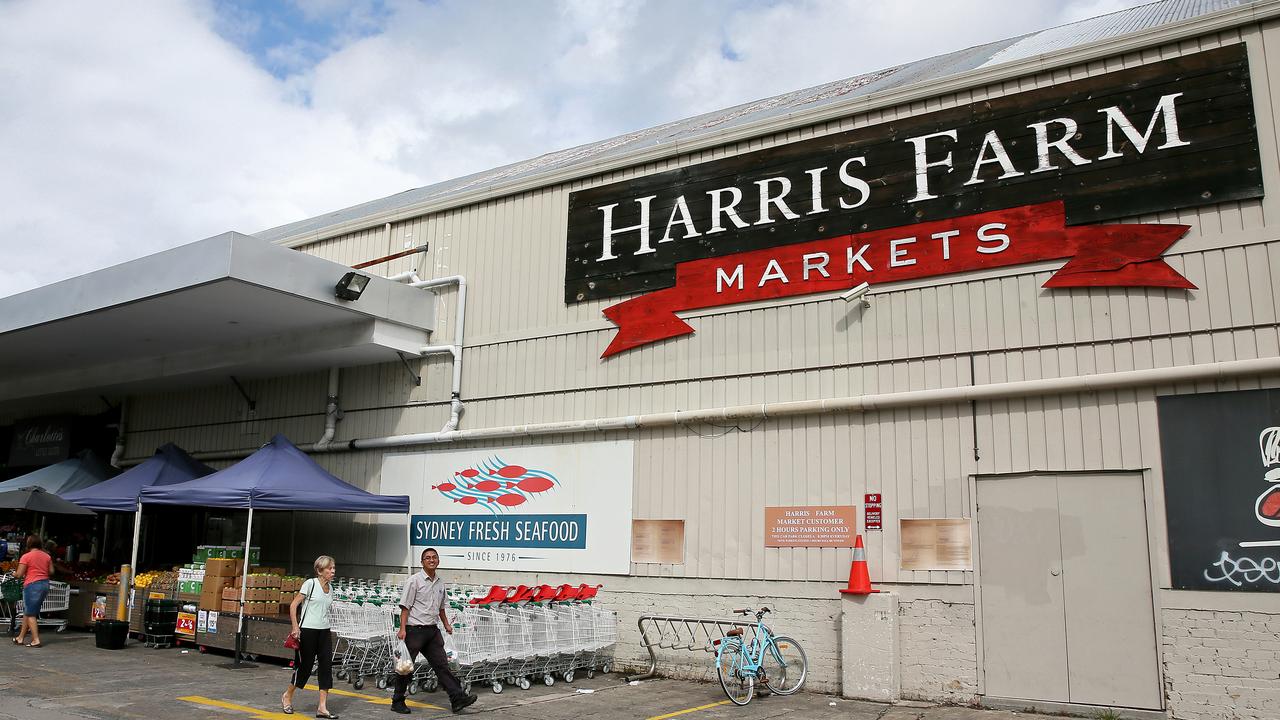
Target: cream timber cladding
{"x":531,"y":359}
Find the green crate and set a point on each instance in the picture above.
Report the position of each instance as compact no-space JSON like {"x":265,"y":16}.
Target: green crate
{"x":216,"y":551}
{"x":202,"y":554}
{"x":255,"y":555}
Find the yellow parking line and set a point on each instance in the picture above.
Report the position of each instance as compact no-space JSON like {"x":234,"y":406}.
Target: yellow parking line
{"x":375,"y":699}
{"x":689,"y":710}
{"x":255,"y":712}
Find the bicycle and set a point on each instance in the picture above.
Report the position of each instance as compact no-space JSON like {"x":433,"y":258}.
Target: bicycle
{"x":777,"y":661}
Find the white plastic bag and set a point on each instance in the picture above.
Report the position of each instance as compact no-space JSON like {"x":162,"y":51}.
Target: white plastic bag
{"x":404,"y":663}
{"x":450,"y":649}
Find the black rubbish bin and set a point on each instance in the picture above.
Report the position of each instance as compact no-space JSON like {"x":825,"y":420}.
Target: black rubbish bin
{"x":111,"y":634}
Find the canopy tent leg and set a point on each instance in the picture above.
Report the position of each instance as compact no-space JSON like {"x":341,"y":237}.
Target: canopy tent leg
{"x":244,"y":581}
{"x":293,"y":537}
{"x":137,"y":534}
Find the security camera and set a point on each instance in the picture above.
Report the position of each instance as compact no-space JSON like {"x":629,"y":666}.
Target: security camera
{"x":855,"y":292}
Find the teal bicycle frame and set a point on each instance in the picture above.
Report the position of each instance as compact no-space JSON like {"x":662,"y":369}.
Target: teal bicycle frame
{"x":740,"y":661}
{"x":752,"y":651}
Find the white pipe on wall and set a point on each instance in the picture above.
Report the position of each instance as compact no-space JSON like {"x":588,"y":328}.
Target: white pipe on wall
{"x":455,"y":393}
{"x":118,"y":453}
{"x":330,"y":413}
{"x":859,"y":403}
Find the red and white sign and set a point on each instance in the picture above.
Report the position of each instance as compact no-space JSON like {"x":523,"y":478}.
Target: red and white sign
{"x":871,"y":507}
{"x":1098,"y":256}
{"x":186,"y":624}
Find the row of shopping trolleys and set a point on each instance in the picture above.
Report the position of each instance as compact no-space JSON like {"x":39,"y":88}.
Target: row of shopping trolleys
{"x":505,"y":636}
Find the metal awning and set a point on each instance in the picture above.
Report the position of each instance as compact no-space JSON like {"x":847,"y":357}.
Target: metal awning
{"x":229,"y":305}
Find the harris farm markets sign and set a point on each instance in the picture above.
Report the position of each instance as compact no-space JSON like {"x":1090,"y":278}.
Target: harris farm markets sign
{"x":1023,"y":178}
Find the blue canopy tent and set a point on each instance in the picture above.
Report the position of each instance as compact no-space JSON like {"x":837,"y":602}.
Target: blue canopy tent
{"x":278,"y":476}
{"x":73,"y":474}
{"x":170,"y":465}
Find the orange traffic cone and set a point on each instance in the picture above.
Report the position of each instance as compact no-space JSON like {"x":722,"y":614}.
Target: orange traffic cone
{"x":859,"y":577}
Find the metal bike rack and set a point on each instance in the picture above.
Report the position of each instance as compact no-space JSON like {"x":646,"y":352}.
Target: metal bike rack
{"x":666,"y":632}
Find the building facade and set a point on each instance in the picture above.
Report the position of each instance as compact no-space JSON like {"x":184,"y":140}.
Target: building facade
{"x":1054,"y":402}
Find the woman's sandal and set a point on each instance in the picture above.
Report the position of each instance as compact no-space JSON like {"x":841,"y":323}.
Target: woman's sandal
{"x":36,"y":645}
{"x":17,"y":641}
{"x":328,"y":715}
{"x":286,"y":708}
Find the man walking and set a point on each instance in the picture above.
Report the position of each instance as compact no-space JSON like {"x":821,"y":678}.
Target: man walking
{"x":422,"y":613}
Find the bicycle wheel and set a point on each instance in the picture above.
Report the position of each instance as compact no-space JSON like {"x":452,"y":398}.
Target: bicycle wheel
{"x":785,"y":666}
{"x":738,"y":685}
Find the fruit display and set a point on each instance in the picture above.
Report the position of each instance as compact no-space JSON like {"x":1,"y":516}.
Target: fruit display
{"x":156,"y":579}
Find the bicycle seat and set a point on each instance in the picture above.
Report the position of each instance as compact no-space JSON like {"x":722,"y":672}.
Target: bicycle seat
{"x":742,"y":611}
{"x":735,"y":631}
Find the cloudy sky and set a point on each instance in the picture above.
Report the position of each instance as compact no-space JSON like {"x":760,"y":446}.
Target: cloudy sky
{"x":130,"y":127}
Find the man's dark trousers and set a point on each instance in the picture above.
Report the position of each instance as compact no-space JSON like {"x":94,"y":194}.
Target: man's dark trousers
{"x":426,"y":639}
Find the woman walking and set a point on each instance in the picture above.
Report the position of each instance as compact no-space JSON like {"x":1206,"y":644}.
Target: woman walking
{"x":309,"y":613}
{"x":34,"y":568}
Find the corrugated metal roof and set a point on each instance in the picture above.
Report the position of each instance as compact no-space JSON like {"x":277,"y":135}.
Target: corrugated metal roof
{"x":685,"y":131}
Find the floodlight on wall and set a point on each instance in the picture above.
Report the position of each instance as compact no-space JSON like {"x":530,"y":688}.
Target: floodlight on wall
{"x":350,"y":286}
{"x":855,"y":292}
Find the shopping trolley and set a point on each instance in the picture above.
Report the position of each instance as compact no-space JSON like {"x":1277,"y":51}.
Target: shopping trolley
{"x":58,"y":599}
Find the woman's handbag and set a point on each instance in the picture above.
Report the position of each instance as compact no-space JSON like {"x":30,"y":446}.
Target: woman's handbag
{"x":292,"y":641}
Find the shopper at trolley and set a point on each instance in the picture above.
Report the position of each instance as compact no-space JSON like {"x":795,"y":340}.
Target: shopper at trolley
{"x":311,"y":628}
{"x":34,"y":568}
{"x":422,"y":613}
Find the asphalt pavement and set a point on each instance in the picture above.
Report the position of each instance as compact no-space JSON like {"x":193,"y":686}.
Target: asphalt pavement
{"x":70,"y":679}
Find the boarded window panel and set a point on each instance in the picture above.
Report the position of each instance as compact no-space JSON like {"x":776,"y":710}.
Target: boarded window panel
{"x":936,"y":544}
{"x":657,"y":541}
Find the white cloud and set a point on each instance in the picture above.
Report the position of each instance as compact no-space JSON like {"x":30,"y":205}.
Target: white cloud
{"x":129,"y":128}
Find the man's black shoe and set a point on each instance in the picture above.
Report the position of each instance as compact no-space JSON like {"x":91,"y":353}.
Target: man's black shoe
{"x":463,"y":702}
{"x":399,"y":707}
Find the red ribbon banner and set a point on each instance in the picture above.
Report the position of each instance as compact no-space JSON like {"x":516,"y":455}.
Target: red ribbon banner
{"x":1099,"y":256}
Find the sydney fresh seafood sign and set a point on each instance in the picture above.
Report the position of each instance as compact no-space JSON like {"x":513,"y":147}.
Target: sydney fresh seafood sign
{"x":544,"y":508}
{"x":1028,"y":177}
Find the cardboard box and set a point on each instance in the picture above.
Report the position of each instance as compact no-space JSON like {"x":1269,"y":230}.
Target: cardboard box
{"x":231,"y":593}
{"x":223,"y":567}
{"x":211,"y":599}
{"x":259,"y":608}
{"x":231,"y":606}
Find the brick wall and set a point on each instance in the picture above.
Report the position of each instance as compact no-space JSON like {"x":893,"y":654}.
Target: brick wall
{"x":814,"y":623}
{"x":937,"y":641}
{"x":1222,"y":664}
{"x":807,"y":612}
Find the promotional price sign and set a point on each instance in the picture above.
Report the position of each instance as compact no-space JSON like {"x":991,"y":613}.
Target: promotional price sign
{"x":186,"y":625}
